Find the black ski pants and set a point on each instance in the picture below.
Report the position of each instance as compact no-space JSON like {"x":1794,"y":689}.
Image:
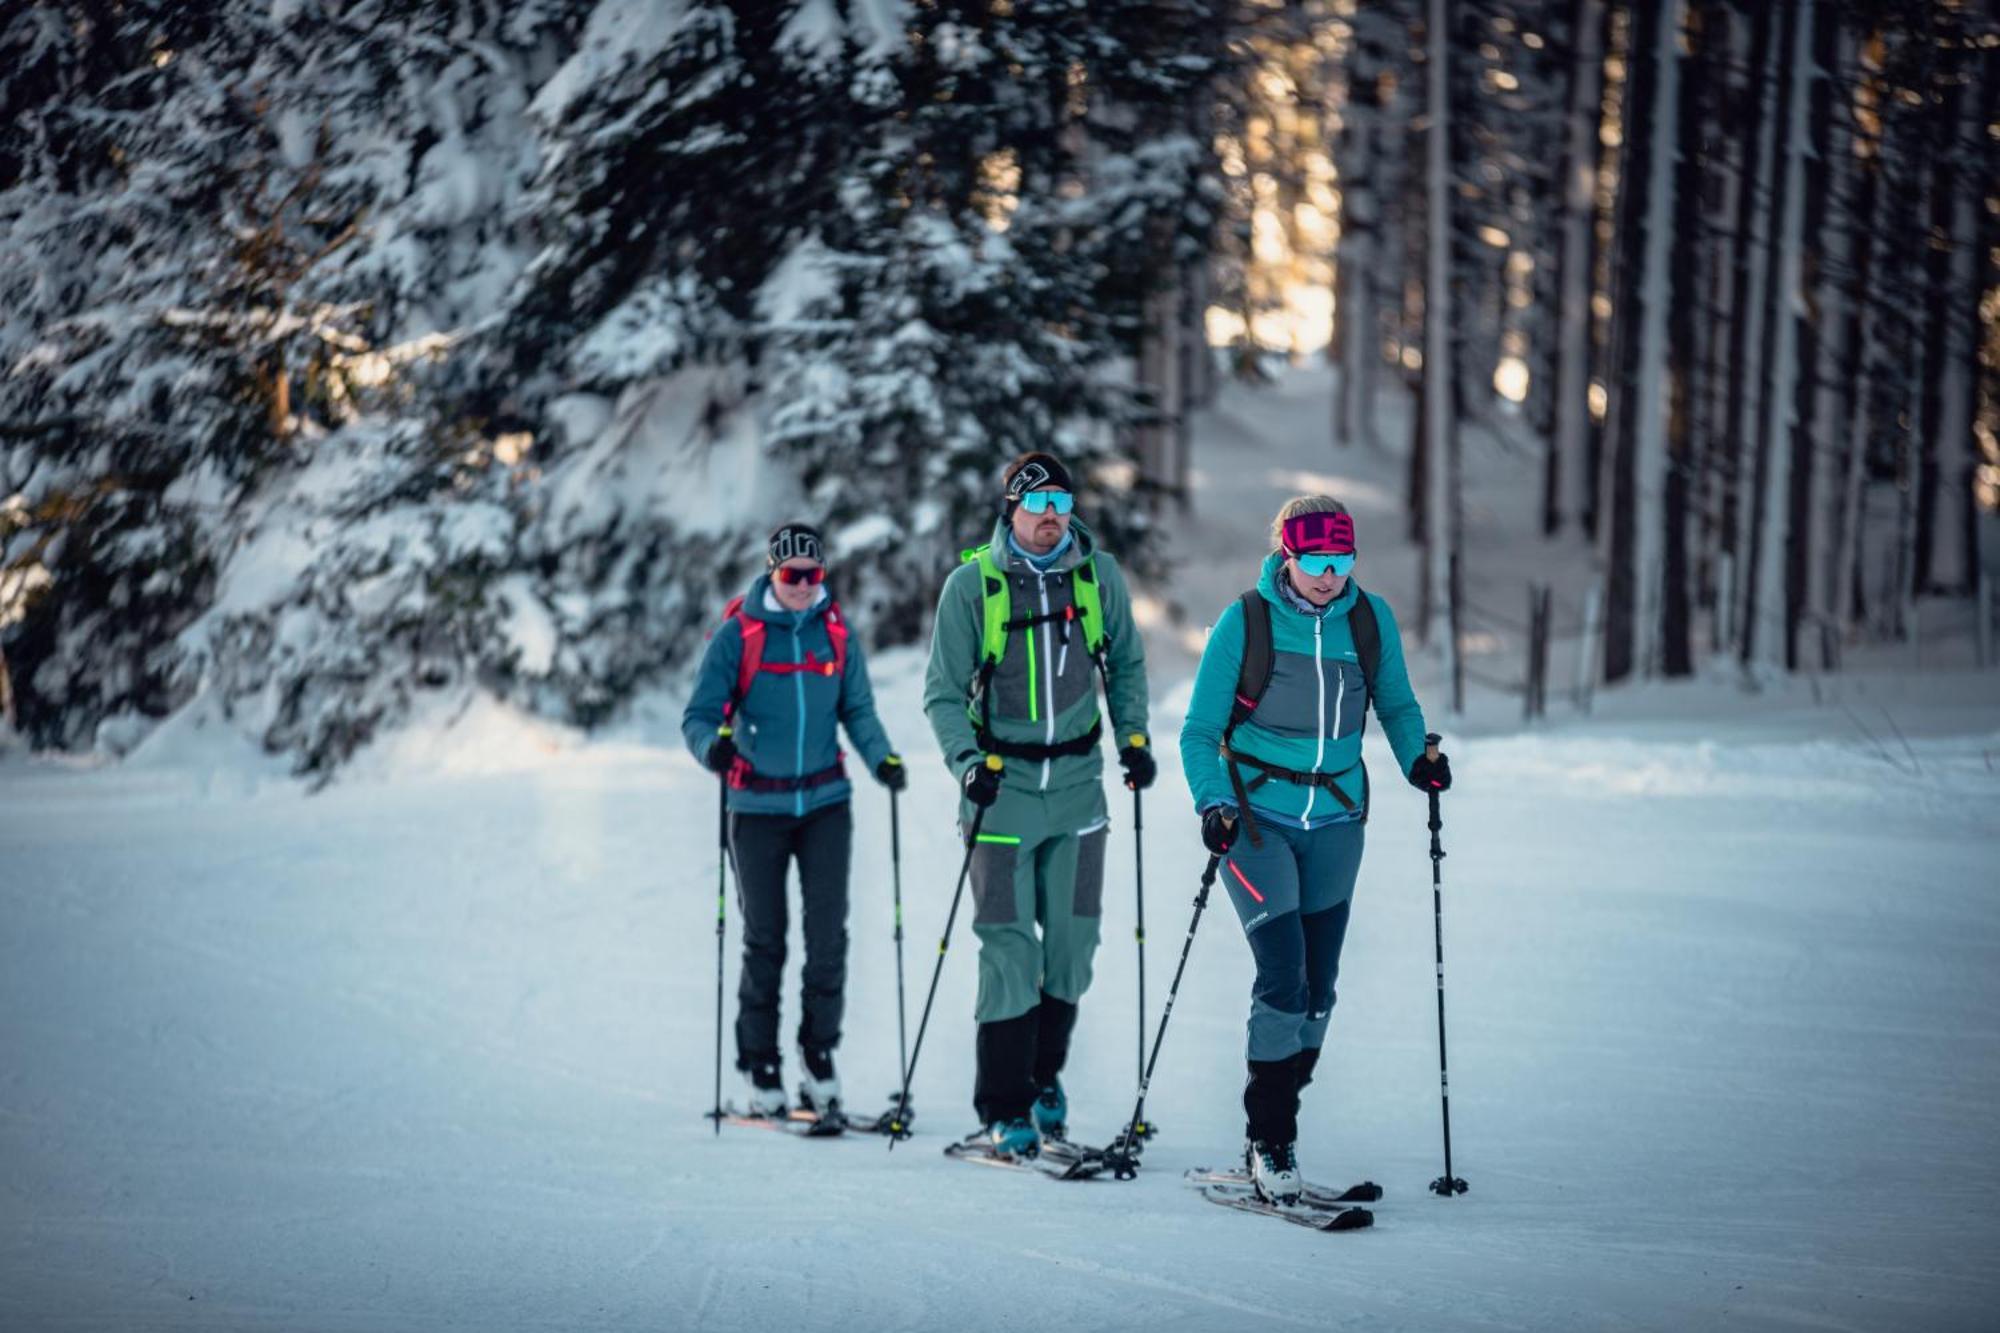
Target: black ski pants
{"x":763,"y":848}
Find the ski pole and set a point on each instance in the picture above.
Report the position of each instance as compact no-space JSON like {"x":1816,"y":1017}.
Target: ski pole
{"x":896,"y":876}
{"x":898,"y":1128}
{"x":1446,"y":1184}
{"x":1139,"y":931}
{"x":721,"y":916}
{"x":1125,"y":1164}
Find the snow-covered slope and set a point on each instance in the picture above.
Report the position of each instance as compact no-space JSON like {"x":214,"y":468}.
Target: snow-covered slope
{"x":430,"y":1049}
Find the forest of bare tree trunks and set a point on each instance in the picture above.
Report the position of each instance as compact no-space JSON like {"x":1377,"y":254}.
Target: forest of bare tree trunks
{"x":1735,"y":265}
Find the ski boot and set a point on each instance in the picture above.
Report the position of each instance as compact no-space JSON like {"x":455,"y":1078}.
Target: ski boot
{"x":819,"y":1090}
{"x":767,"y":1089}
{"x":1014,"y":1138}
{"x":1273,"y":1169}
{"x":1051,"y":1111}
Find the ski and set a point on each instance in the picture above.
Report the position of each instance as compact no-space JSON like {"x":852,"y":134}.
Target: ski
{"x":1334,"y":1218}
{"x":886,"y":1123}
{"x":797,"y":1122}
{"x":1059,"y":1159}
{"x":1320,"y":1196}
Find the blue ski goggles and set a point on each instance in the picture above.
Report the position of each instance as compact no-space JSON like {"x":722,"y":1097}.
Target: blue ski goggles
{"x":1316,"y":563}
{"x":1040,"y":502}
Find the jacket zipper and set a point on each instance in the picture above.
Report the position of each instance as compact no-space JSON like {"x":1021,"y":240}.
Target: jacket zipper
{"x":799,"y":687}
{"x":1048,"y":671}
{"x":1319,"y":757}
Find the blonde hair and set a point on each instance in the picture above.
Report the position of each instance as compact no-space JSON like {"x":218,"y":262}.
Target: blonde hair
{"x":1297,"y":505}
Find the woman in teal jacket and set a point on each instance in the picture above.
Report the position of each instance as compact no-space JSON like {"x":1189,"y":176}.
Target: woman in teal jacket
{"x":783,"y":674}
{"x":1283,"y":796}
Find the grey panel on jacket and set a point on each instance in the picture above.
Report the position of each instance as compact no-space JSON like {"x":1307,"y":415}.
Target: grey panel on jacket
{"x":1290,"y":707}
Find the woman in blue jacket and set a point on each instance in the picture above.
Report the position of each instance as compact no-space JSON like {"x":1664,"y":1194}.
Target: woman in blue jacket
{"x":1275,"y":768}
{"x":782,"y":672}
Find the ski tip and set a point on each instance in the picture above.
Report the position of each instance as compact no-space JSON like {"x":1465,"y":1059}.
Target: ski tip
{"x":1353,"y":1219}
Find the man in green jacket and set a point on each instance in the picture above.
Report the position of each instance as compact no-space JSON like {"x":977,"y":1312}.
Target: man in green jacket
{"x":1025,"y":628}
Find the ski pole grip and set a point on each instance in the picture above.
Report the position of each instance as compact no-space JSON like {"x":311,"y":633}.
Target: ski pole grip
{"x":1431,"y":742}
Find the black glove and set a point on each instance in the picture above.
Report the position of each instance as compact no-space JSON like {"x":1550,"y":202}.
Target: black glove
{"x":1428,"y":774}
{"x":982,"y":784}
{"x":722,"y":754}
{"x":1218,"y":829}
{"x":890,"y":773}
{"x":1140,"y":770}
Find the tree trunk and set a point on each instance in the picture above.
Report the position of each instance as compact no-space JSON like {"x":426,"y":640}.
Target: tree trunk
{"x":1844,"y":545}
{"x":1607,"y":340}
{"x":1566,"y":480}
{"x":1949,"y":560}
{"x":1360,"y":224}
{"x":1818,"y":489}
{"x":1684,"y":372}
{"x":1441,"y":526}
{"x":1747,"y":302}
{"x":1819,"y":233}
{"x":1636,"y":429}
{"x":1766,"y":634}
{"x":1711,"y":141}
{"x":1157,"y":440}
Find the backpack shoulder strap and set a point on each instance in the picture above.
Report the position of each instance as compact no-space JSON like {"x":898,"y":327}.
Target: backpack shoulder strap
{"x":751,"y":661}
{"x":1367,"y":632}
{"x":836,"y":633}
{"x":1090,"y":608}
{"x":996,"y":604}
{"x":1253,"y":675}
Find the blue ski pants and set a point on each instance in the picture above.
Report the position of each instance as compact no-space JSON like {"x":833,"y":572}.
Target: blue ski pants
{"x":1292,"y":896}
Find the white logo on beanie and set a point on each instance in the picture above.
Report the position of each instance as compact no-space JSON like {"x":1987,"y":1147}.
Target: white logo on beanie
{"x":1028,"y":478}
{"x":795,"y":543}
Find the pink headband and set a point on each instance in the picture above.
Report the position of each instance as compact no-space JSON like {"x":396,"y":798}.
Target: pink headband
{"x":1319,"y":532}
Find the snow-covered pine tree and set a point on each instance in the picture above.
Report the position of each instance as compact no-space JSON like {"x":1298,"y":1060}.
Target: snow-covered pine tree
{"x":237,"y":236}
{"x":163,"y":343}
{"x":985,"y":283}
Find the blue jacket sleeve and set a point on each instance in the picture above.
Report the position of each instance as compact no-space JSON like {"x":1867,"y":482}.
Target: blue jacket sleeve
{"x":857,"y":708}
{"x":1208,"y":710}
{"x":714,"y":681}
{"x":1395,"y":703}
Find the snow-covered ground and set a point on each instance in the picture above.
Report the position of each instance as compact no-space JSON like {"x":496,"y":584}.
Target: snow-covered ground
{"x":430,"y":1049}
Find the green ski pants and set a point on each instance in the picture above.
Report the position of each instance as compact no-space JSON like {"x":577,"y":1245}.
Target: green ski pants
{"x":1038,"y":897}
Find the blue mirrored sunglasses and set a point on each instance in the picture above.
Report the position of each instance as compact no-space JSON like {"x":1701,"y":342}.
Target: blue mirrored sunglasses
{"x":1040,"y":502}
{"x":1317,"y":563}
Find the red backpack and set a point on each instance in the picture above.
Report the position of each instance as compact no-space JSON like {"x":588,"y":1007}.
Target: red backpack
{"x":752,"y":662}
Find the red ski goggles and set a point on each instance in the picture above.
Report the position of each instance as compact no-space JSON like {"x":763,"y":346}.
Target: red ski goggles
{"x":806,"y":574}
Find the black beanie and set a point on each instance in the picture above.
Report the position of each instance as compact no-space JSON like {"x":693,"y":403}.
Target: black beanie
{"x":795,"y":541}
{"x":1031,"y":471}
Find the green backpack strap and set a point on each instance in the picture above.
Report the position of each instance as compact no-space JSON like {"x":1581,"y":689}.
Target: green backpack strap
{"x":996,"y":605}
{"x":1090,"y":609}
